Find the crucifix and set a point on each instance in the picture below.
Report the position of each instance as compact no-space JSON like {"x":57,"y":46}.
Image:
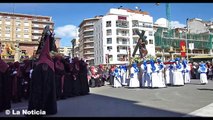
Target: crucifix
{"x":141,"y":44}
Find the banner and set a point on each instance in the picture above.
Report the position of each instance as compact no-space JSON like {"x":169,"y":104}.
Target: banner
{"x":191,"y":46}
{"x":183,"y":48}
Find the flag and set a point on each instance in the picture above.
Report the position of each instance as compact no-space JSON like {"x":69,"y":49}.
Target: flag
{"x":183,"y":48}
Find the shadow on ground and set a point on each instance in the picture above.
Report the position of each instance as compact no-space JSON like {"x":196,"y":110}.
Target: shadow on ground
{"x":103,"y":106}
{"x":205,"y":89}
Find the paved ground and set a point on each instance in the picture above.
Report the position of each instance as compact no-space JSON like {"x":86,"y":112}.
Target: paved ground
{"x":185,"y":101}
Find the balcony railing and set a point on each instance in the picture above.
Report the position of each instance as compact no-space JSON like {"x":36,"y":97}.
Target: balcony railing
{"x":88,"y":46}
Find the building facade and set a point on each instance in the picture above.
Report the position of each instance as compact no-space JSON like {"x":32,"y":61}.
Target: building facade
{"x":115,"y":36}
{"x":86,"y":39}
{"x":195,"y":34}
{"x":20,"y":34}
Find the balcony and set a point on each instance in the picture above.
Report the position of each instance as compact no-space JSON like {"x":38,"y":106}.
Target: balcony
{"x":122,"y":42}
{"x":88,"y":46}
{"x":37,"y":33}
{"x":87,"y":36}
{"x":122,"y":35}
{"x":88,"y":24}
{"x":88,"y":29}
{"x":122,"y":24}
{"x":88,"y":41}
{"x":88,"y":53}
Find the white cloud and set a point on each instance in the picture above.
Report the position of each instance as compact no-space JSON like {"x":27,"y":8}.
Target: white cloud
{"x":174,"y":24}
{"x":68,"y":31}
{"x":161,"y":22}
{"x":177,"y":24}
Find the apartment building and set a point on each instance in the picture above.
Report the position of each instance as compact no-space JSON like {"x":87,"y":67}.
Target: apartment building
{"x":115,"y":36}
{"x":66,"y":51}
{"x":20,"y":34}
{"x":86,"y":39}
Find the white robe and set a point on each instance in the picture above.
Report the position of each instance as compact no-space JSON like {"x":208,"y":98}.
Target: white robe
{"x":203,"y":76}
{"x":186,"y":75}
{"x":155,"y":78}
{"x":144,"y":82}
{"x":148,"y":76}
{"x":162,"y":82}
{"x":117,"y":80}
{"x":168,"y":75}
{"x":134,"y":81}
{"x":123,"y":77}
{"x":178,"y":76}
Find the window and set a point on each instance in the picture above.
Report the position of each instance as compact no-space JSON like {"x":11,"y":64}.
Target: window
{"x":26,"y":24}
{"x":109,"y":32}
{"x":18,"y":29}
{"x":36,"y":25}
{"x":123,"y":24}
{"x":7,"y":28}
{"x":18,"y":36}
{"x":150,"y":41}
{"x":7,"y":35}
{"x":109,"y":48}
{"x":135,"y":23}
{"x":124,"y":41}
{"x":18,"y":23}
{"x":109,"y":40}
{"x":23,"y":51}
{"x":150,"y":33}
{"x":108,"y":23}
{"x":134,"y":32}
{"x":26,"y":36}
{"x":135,"y":40}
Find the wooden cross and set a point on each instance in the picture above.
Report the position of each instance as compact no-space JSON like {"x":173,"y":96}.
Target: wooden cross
{"x":141,"y":44}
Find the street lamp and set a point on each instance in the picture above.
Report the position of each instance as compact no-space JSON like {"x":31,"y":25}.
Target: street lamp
{"x":186,"y":39}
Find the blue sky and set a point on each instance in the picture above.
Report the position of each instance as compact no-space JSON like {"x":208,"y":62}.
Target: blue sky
{"x":68,"y":16}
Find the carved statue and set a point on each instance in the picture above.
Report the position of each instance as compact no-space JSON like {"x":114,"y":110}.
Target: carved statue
{"x":47,"y":33}
{"x":141,"y":44}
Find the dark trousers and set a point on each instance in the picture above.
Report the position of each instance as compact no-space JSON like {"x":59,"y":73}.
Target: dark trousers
{"x":92,"y":82}
{"x":111,"y":80}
